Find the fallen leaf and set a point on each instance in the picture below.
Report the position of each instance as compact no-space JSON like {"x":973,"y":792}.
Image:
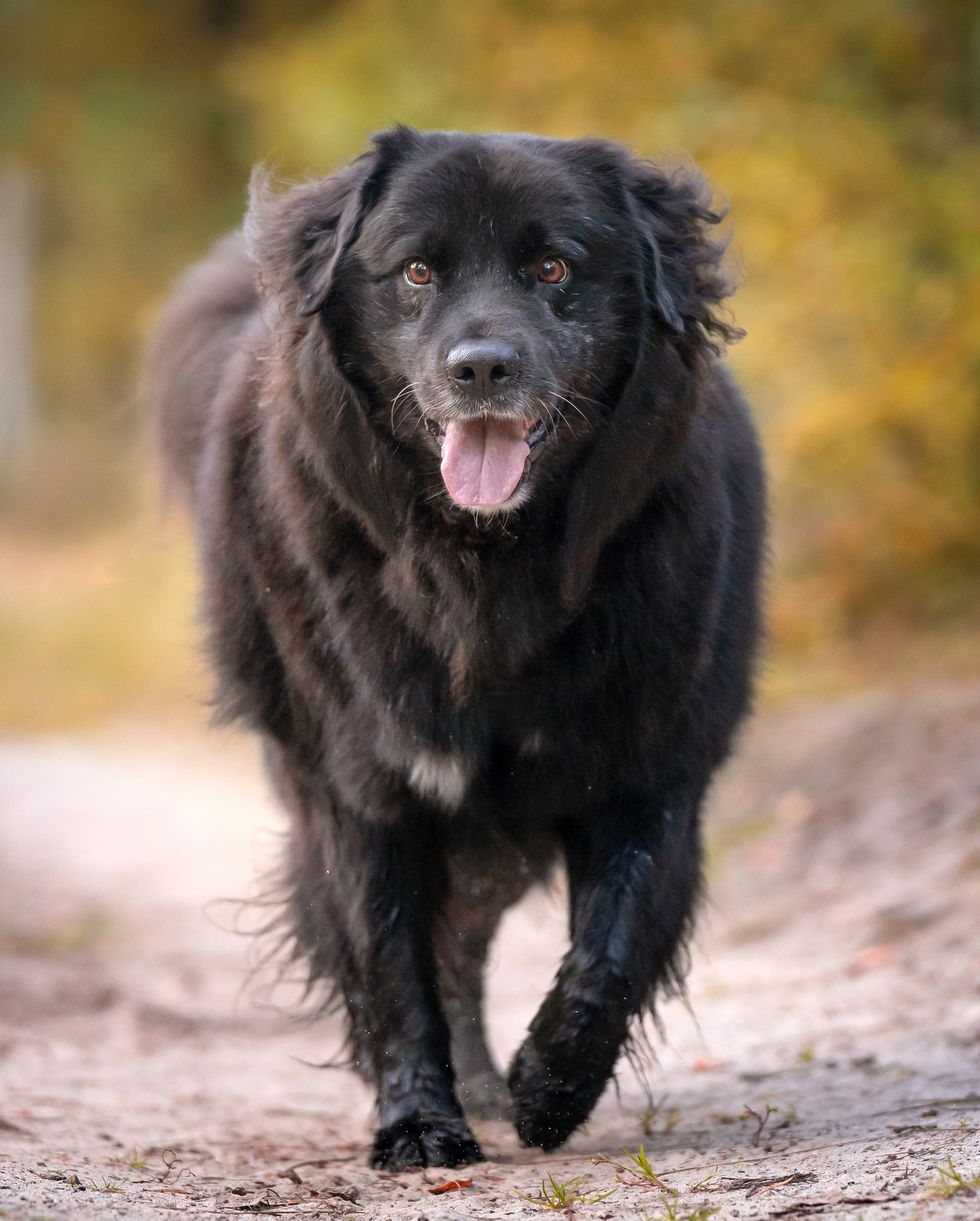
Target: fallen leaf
{"x":451,"y":1185}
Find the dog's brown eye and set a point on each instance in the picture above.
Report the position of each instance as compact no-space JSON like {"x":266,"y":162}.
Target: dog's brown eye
{"x":552,"y":271}
{"x":418,"y":272}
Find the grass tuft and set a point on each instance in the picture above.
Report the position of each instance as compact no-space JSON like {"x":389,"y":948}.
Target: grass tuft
{"x":671,"y":1211}
{"x":556,"y":1195}
{"x":106,"y":1186}
{"x":950,"y":1181}
{"x":134,"y":1160}
{"x":639,"y":1166}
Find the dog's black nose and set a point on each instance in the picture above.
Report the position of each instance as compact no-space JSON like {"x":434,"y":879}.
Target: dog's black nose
{"x":478,"y":367}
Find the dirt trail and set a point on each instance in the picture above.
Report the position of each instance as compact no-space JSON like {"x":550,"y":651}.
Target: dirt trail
{"x":829,"y":1062}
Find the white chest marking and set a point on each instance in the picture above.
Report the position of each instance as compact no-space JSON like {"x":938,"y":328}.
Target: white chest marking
{"x":532,"y":743}
{"x":444,"y":778}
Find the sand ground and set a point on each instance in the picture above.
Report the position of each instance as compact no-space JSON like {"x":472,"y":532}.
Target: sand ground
{"x":828,"y":1062}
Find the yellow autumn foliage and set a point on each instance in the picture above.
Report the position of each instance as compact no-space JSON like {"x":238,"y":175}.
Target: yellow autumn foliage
{"x":844,"y":135}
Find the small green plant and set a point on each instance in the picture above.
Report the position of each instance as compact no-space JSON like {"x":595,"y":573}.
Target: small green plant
{"x":701,"y":1184}
{"x":134,"y":1160}
{"x":949,"y":1181}
{"x":655,"y":1108}
{"x":106,"y":1186}
{"x":762,"y":1124}
{"x":671,"y":1211}
{"x":641,"y":1166}
{"x":652,"y":1109}
{"x":556,"y":1195}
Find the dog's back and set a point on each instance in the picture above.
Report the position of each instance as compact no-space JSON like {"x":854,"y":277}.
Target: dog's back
{"x":201,"y":328}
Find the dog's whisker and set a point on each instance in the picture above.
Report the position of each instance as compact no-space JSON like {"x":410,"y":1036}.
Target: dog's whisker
{"x":403,"y":402}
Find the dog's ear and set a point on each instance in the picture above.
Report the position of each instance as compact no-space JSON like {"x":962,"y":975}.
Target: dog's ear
{"x":680,"y":281}
{"x":684,"y":277}
{"x":299,"y":238}
{"x":292,"y":236}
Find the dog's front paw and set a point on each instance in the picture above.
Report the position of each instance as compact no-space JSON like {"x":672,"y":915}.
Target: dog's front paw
{"x":548,"y":1103}
{"x":424,"y":1140}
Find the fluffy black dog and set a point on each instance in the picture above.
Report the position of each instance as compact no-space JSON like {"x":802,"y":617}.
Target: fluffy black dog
{"x":481,"y":517}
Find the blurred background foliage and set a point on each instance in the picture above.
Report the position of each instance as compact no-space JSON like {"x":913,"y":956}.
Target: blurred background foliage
{"x":844,"y":133}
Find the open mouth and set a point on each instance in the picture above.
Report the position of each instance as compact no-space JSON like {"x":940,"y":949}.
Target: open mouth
{"x":484,"y":458}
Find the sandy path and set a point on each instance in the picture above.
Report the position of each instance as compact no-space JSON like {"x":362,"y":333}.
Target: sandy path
{"x":834,"y":1062}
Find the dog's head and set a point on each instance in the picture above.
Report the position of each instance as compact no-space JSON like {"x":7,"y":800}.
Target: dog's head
{"x":492,"y":298}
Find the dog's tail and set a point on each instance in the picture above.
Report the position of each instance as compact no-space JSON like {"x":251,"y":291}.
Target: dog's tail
{"x":200,"y":329}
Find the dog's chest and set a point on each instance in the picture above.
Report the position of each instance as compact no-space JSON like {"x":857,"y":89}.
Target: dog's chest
{"x":458,"y":697}
{"x":499,"y":738}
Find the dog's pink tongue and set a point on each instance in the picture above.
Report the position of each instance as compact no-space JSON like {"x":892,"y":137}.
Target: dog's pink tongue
{"x":483,"y":460}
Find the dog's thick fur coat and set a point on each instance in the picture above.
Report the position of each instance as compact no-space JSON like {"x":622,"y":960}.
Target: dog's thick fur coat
{"x":454,"y":695}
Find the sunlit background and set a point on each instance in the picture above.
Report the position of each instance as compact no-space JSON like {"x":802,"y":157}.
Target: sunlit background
{"x":843,"y":134}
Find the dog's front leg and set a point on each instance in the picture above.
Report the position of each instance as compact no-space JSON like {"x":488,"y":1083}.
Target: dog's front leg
{"x":633,"y":872}
{"x":392,"y":879}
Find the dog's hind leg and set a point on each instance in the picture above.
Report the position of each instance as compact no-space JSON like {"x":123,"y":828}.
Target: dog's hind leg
{"x":482,"y":885}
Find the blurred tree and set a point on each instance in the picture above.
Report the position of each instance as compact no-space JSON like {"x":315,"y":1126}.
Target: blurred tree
{"x":845,"y":135}
{"x":17,"y":406}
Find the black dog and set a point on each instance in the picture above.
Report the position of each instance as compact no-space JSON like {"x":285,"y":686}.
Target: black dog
{"x":481,"y":518}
